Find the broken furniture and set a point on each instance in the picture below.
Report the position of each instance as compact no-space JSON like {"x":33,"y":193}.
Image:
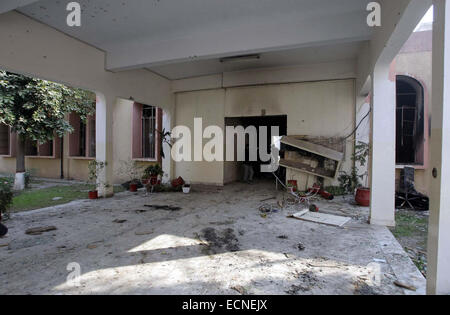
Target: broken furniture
{"x":407,"y":196}
{"x":310,"y":158}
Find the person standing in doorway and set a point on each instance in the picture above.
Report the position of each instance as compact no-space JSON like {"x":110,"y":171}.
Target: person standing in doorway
{"x":249,"y":172}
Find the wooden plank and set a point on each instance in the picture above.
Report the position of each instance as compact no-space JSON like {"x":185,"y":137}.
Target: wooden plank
{"x":313,"y":148}
{"x":301,"y":167}
{"x":322,"y":218}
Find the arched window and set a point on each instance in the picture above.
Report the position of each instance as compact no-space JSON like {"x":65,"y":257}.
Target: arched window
{"x":410,"y":122}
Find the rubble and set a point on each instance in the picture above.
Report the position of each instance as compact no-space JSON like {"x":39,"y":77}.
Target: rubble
{"x":40,"y":230}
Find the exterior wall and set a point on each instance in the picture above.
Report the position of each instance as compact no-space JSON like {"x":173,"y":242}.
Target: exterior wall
{"x":209,"y":105}
{"x":415,"y":60}
{"x":77,"y":167}
{"x":123,"y":136}
{"x":318,"y":109}
{"x":39,"y":166}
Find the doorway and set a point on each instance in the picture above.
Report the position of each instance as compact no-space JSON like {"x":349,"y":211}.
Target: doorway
{"x":233,"y":171}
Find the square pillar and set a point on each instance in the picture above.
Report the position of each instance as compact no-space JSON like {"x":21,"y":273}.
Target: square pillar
{"x":167,"y":163}
{"x":382,"y":158}
{"x":104,"y":143}
{"x":438,"y":274}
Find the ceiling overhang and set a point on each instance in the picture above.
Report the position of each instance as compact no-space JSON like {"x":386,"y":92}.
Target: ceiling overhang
{"x":150,"y":34}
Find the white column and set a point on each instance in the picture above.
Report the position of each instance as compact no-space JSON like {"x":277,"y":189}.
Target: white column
{"x":382,"y":160}
{"x":438,"y":274}
{"x":104,"y":143}
{"x":167,"y":160}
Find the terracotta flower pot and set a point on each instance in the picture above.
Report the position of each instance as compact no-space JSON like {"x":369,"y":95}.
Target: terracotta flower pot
{"x":93,"y":195}
{"x":363,"y":197}
{"x":177,"y":182}
{"x":133,"y":187}
{"x":154,"y":180}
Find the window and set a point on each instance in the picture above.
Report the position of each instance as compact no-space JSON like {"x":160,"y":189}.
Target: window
{"x":147,"y":121}
{"x":82,"y":140}
{"x":410,"y":122}
{"x":49,"y":149}
{"x":5,"y":144}
{"x":148,"y":132}
{"x":32,"y":148}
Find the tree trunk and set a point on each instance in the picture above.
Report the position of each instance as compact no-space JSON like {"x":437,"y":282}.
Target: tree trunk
{"x":20,"y":181}
{"x":20,"y":154}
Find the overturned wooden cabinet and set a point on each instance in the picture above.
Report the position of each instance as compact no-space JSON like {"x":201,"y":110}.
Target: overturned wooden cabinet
{"x":311,"y":158}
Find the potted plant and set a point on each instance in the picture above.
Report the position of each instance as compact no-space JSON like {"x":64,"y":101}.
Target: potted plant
{"x":153,"y":174}
{"x":350,"y":183}
{"x":94,"y":168}
{"x":186,"y":188}
{"x":131,"y":170}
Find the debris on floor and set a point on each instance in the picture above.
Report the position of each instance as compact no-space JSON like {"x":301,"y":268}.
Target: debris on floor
{"x":144,"y":232}
{"x":220,"y":241}
{"x":40,"y":230}
{"x":301,"y":247}
{"x":164,"y":207}
{"x":362,"y":288}
{"x":321,"y":218}
{"x":240,"y":289}
{"x":308,"y":282}
{"x":119,"y":221}
{"x":94,"y":245}
{"x":405,"y":286}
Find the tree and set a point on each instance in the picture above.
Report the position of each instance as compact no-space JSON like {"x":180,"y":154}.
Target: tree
{"x":36,"y":109}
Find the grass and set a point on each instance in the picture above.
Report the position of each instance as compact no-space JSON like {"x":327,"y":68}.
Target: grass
{"x":42,"y":198}
{"x":408,"y":225}
{"x":412,"y":231}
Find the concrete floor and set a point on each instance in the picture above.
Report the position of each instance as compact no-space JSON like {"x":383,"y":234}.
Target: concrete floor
{"x":218,"y":243}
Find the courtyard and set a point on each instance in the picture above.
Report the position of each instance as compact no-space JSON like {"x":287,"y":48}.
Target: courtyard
{"x":212,"y":241}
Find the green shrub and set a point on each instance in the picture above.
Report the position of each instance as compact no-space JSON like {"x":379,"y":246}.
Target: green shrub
{"x":6,"y":196}
{"x":336,"y":190}
{"x":153,"y":170}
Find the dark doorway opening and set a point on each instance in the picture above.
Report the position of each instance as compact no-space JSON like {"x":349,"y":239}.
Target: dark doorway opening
{"x":233,"y":170}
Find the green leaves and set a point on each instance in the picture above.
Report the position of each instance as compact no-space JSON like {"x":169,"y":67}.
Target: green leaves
{"x":36,"y":109}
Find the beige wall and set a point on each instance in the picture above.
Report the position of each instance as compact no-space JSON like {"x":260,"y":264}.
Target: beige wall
{"x":208,"y":105}
{"x":323,"y":108}
{"x":122,"y":135}
{"x":313,"y":109}
{"x":77,"y":168}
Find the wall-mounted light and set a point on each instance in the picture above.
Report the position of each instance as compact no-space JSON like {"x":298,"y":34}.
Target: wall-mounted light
{"x":241,"y":58}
